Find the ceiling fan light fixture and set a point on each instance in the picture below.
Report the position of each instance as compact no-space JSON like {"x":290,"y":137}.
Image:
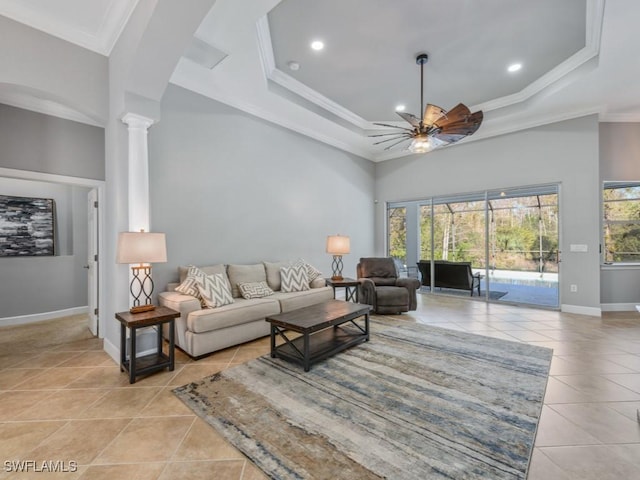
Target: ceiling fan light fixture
{"x":420,"y":144}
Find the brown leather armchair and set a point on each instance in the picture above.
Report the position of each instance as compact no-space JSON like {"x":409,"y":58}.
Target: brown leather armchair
{"x":379,"y":286}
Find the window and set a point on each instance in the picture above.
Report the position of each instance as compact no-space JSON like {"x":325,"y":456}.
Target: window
{"x":397,"y":231}
{"x":621,"y":222}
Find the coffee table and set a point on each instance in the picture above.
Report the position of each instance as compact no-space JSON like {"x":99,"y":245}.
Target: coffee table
{"x":327,"y":328}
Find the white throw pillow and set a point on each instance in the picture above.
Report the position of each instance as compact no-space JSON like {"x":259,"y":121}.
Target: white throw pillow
{"x":215,"y":290}
{"x":294,"y":279}
{"x":312,"y":272}
{"x":254,"y":289}
{"x":189,"y":285}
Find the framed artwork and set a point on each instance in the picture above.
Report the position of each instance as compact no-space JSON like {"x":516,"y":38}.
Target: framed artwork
{"x":26,"y":226}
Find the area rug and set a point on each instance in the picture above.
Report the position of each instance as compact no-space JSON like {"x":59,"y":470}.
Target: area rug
{"x":415,"y":402}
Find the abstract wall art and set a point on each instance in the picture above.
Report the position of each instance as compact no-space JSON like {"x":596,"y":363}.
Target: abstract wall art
{"x":26,"y":226}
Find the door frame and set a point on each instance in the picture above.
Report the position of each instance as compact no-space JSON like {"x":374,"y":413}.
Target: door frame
{"x":93,"y":261}
{"x":100,"y":187}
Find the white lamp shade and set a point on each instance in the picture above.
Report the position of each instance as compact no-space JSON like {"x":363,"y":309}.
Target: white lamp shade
{"x":338,"y":245}
{"x":141,"y":247}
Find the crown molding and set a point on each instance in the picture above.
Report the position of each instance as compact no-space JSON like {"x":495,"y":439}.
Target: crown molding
{"x":101,"y":41}
{"x":273,"y":74}
{"x":593,"y":34}
{"x":189,"y":75}
{"x":47,"y":107}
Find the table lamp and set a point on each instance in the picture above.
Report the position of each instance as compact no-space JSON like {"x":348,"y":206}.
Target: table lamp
{"x":337,"y":245}
{"x":141,"y":248}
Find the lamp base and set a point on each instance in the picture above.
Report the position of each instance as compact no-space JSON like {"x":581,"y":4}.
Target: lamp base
{"x":337,"y":278}
{"x":142,"y":308}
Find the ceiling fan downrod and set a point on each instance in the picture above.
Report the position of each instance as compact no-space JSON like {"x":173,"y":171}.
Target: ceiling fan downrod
{"x":421,"y":60}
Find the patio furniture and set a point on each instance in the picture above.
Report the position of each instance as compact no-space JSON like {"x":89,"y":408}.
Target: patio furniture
{"x":456,"y":275}
{"x":380,"y":286}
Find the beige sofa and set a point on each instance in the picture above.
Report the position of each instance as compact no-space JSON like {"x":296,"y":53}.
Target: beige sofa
{"x":201,"y":331}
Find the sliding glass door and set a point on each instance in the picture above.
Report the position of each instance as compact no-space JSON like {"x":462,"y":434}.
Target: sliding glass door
{"x":498,"y":245}
{"x":523,"y":245}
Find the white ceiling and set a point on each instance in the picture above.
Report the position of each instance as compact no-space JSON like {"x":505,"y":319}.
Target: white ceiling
{"x":579,"y":57}
{"x":92,"y":24}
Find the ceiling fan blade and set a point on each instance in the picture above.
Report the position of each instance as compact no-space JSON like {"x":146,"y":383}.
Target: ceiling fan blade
{"x":446,"y":139}
{"x":393,"y":126}
{"x":391,"y":139}
{"x":466,"y":126}
{"x":387,"y":134}
{"x":433,"y":113}
{"x":394,"y":144}
{"x":457,"y":113}
{"x":412,"y":119}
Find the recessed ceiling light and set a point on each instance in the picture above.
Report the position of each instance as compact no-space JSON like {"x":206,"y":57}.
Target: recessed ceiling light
{"x":514,"y":67}
{"x":317,"y":45}
{"x":400,"y":108}
{"x":293,"y":65}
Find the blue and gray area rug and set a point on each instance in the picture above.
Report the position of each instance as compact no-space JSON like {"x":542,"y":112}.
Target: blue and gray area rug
{"x":416,"y":402}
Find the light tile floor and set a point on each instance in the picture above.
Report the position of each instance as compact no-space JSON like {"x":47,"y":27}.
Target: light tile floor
{"x":72,"y":403}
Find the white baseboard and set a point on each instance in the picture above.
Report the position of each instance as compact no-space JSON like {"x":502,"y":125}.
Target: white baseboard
{"x":112,"y":350}
{"x":580,"y":310}
{"x":39,"y":317}
{"x":619,"y":307}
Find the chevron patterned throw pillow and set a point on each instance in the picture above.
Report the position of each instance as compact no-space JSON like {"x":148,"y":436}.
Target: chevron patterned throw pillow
{"x":254,"y":289}
{"x":312,"y":272}
{"x":215,"y":290}
{"x":294,"y":279}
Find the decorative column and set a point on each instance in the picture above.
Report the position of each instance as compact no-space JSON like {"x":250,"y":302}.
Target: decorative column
{"x":139,"y":211}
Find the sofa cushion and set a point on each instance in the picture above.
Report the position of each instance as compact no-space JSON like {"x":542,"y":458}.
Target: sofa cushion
{"x":245,"y":274}
{"x":254,"y":290}
{"x":272,"y":270}
{"x":237,"y":313}
{"x":295,"y":300}
{"x":209,"y":270}
{"x":294,"y":279}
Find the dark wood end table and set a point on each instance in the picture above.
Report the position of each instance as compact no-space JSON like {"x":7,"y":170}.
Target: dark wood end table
{"x":327,"y":328}
{"x":149,"y":363}
{"x":350,"y":286}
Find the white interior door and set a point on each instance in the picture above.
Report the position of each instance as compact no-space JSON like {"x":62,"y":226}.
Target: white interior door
{"x":92,"y":261}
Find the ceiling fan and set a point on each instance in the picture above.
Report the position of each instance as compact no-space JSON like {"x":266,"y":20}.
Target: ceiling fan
{"x":436,"y":127}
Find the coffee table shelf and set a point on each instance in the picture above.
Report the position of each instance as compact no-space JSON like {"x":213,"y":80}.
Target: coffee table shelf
{"x":327,"y":328}
{"x":322,"y":344}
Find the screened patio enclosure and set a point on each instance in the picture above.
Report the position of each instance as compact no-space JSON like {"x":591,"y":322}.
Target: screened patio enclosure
{"x":507,"y":238}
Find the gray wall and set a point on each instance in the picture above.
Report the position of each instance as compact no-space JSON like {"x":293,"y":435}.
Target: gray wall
{"x":227,"y":187}
{"x":620,"y":160}
{"x":565,"y":153}
{"x":37,"y":64}
{"x":32,"y":285}
{"x":42,"y":143}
